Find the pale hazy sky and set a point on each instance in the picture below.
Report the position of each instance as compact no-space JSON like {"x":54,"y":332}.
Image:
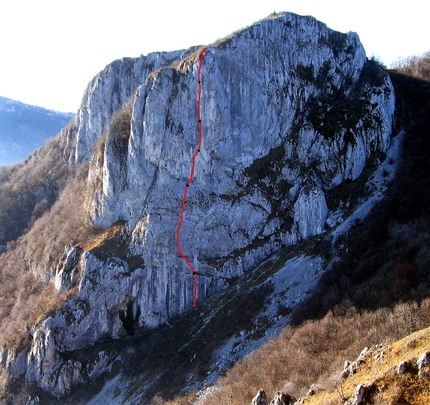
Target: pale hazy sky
{"x":51,"y":49}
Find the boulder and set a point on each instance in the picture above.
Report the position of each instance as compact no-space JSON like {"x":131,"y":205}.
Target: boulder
{"x":280,"y":399}
{"x":260,"y":398}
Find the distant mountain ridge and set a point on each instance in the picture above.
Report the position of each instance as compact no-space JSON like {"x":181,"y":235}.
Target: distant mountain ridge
{"x":307,"y":199}
{"x":292,"y":109}
{"x":25,"y":127}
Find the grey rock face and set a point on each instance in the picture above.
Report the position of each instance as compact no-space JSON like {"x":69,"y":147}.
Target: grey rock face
{"x":260,"y":398}
{"x":67,"y":274}
{"x":422,"y":364}
{"x":107,"y":92}
{"x":280,"y":399}
{"x":402,"y":367}
{"x":290,"y":109}
{"x":423,"y":360}
{"x":310,"y":212}
{"x":359,"y":396}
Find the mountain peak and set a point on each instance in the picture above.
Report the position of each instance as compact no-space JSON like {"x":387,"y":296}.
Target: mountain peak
{"x":24,"y":128}
{"x":269,"y":122}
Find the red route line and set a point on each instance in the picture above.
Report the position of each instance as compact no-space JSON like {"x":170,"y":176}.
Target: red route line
{"x":193,"y":162}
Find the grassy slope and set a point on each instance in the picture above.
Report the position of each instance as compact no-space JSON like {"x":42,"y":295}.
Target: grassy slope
{"x":379,"y":374}
{"x":390,"y":249}
{"x":377,"y":293}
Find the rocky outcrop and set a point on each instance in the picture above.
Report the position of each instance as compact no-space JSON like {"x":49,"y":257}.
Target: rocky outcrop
{"x":67,"y":274}
{"x":423,"y":360}
{"x":310,"y":212}
{"x":416,"y":370}
{"x":290,"y":109}
{"x":313,"y":389}
{"x":403,"y":367}
{"x":108,"y":92}
{"x":351,"y":367}
{"x":281,"y":399}
{"x":260,"y":398}
{"x":359,"y":395}
{"x":422,"y":363}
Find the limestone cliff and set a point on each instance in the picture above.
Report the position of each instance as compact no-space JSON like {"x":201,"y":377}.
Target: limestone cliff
{"x":107,"y":92}
{"x":290,"y":109}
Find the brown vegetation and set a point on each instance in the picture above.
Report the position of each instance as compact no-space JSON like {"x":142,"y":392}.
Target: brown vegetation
{"x":29,"y":264}
{"x":30,"y":188}
{"x":416,"y":66}
{"x":115,"y":138}
{"x":314,"y":352}
{"x":378,"y":293}
{"x":43,"y":210}
{"x":384,"y":381}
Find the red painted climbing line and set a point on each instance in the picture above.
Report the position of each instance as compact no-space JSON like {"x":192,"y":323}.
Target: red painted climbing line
{"x":193,"y":163}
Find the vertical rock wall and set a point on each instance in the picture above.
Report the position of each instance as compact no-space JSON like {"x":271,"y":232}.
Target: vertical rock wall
{"x":290,"y":109}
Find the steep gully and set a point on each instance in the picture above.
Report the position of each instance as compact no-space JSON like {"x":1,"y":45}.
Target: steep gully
{"x":193,"y":162}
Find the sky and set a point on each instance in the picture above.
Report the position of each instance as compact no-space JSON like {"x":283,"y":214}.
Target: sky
{"x":51,"y":49}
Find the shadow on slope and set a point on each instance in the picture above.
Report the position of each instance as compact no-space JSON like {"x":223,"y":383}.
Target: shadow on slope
{"x":159,"y":363}
{"x":386,"y":258}
{"x":377,"y":291}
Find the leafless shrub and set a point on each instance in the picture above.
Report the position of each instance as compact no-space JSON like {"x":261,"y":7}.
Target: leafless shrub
{"x":28,"y":189}
{"x":116,"y":137}
{"x":47,"y":197}
{"x":340,"y":391}
{"x":315,"y":351}
{"x":378,"y":399}
{"x":29,"y":263}
{"x":417,"y":66}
